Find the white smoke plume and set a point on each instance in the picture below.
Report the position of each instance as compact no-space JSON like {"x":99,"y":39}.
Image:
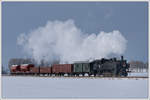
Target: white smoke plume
{"x":63,"y":41}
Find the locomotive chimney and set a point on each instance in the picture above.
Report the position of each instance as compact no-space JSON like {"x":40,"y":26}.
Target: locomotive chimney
{"x":115,"y":59}
{"x":121,"y":58}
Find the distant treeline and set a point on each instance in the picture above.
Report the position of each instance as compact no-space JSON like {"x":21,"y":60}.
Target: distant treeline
{"x":138,"y":64}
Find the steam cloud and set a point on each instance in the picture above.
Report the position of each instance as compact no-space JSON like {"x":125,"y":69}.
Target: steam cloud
{"x":63,"y":41}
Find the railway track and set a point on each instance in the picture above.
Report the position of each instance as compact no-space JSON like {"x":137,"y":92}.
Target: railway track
{"x":129,"y":77}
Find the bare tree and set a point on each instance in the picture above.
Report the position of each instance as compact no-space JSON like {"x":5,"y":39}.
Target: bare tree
{"x":4,"y":70}
{"x":138,"y":66}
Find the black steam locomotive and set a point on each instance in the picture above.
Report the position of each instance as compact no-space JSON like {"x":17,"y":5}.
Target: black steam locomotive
{"x":110,"y":67}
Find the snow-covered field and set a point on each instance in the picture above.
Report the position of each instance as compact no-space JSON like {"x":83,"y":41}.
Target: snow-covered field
{"x":48,"y":87}
{"x":138,"y":74}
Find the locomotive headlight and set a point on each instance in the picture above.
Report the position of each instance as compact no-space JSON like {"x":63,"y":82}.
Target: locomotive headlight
{"x":124,"y":65}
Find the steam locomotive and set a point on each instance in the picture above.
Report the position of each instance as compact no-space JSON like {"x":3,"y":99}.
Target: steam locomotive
{"x":101,"y":67}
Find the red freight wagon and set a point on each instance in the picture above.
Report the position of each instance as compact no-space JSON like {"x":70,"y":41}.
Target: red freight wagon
{"x":62,"y":68}
{"x":34,"y":70}
{"x":14,"y":68}
{"x":45,"y":70}
{"x":55,"y":69}
{"x":26,"y":67}
{"x":68,"y":68}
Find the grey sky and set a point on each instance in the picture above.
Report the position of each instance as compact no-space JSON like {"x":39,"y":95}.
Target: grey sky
{"x":130,"y":18}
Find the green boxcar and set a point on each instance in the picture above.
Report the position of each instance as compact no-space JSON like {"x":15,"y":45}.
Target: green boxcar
{"x":77,"y":68}
{"x":81,"y":67}
{"x":86,"y":67}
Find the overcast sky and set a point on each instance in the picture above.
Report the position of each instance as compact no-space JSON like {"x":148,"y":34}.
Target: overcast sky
{"x":130,"y":18}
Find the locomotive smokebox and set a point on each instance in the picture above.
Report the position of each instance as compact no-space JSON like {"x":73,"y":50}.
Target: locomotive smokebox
{"x":121,"y":58}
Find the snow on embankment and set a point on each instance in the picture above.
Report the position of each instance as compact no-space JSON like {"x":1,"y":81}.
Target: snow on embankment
{"x":47,"y":87}
{"x":145,"y":74}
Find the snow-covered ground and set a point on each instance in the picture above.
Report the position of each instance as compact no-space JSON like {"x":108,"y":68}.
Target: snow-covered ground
{"x":48,"y":87}
{"x":138,"y":74}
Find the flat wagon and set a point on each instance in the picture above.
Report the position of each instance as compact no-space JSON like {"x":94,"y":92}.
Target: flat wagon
{"x":15,"y":69}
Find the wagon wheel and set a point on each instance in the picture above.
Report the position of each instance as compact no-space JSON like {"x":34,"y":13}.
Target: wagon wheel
{"x":89,"y":74}
{"x":82,"y":74}
{"x":123,"y":73}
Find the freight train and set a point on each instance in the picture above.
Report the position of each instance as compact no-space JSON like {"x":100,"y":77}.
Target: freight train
{"x":100,"y":67}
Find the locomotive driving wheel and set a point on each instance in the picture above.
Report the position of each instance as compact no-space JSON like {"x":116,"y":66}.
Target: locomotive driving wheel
{"x":122,"y":74}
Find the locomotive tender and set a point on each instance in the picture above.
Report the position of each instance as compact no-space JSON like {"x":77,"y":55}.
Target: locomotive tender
{"x":100,"y":67}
